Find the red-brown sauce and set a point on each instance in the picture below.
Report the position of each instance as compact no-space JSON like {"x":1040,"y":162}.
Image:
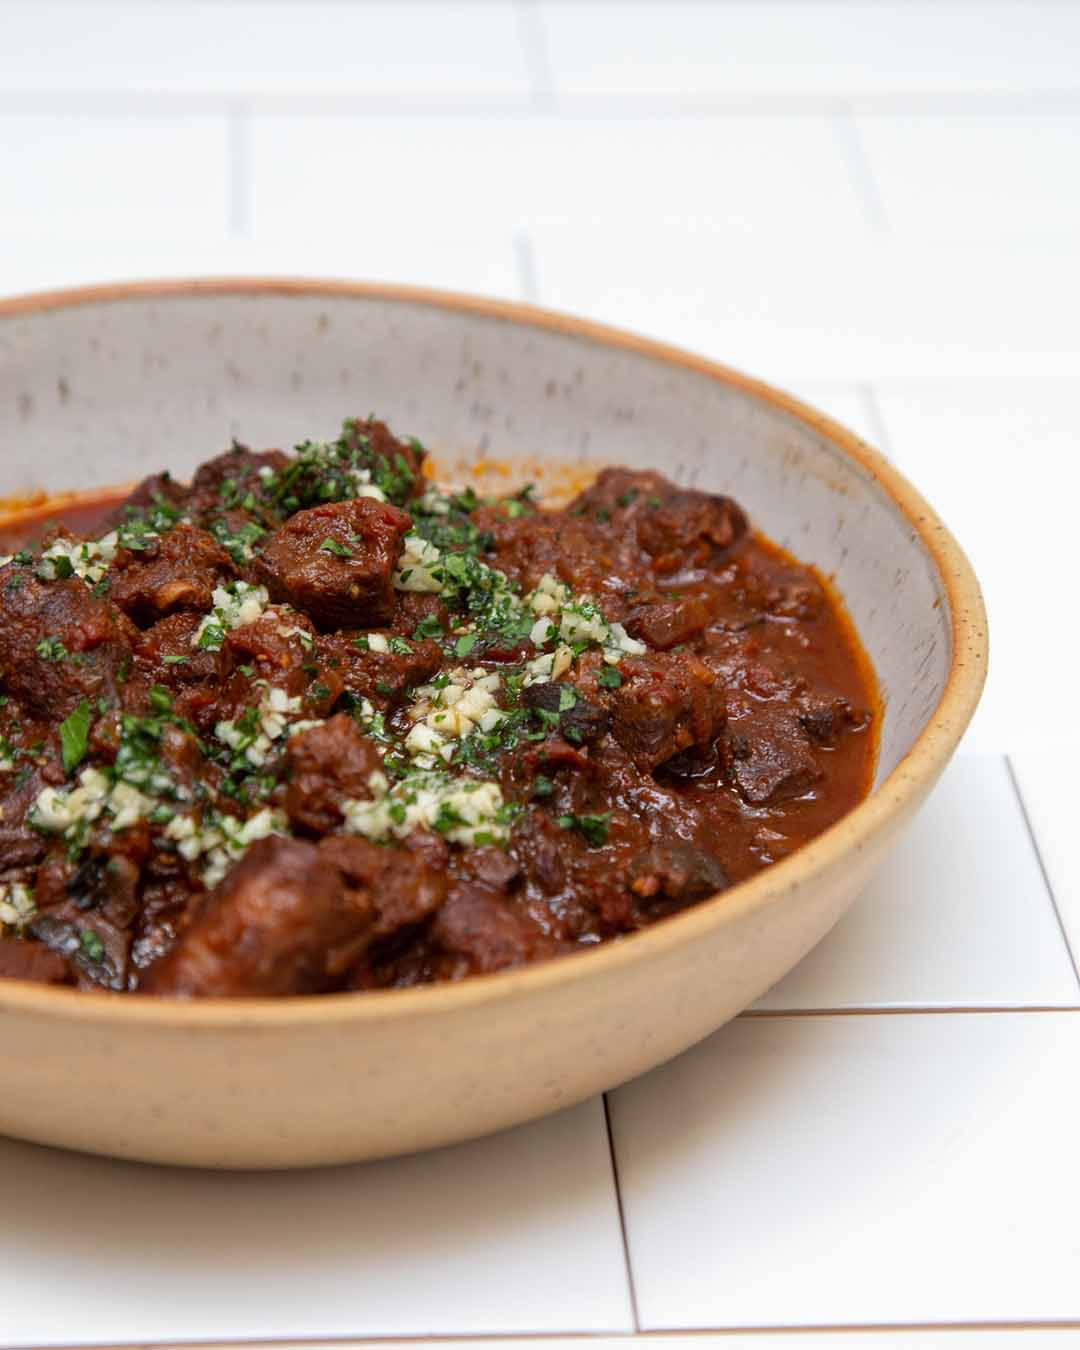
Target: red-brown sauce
{"x":275,"y":737}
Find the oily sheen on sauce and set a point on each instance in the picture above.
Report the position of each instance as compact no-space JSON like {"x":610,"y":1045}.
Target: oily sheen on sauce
{"x":312,"y":723}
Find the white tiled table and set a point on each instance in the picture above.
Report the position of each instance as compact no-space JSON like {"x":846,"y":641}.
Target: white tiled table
{"x":875,"y":204}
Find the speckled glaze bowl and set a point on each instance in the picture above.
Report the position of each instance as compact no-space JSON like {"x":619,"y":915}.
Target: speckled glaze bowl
{"x":100,"y":386}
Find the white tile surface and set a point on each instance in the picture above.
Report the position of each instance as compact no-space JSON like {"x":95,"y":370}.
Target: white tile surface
{"x":262,"y":46}
{"x":484,"y":263}
{"x":851,"y":1170}
{"x":997,"y":459}
{"x":519,"y":1232}
{"x":959,"y":916}
{"x":813,"y":309}
{"x":740,"y":173}
{"x":799,"y":48}
{"x":1047,"y":786}
{"x":67,"y":175}
{"x":945,"y":176}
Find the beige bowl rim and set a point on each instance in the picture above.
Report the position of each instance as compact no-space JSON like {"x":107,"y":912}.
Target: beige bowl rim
{"x":899,"y":792}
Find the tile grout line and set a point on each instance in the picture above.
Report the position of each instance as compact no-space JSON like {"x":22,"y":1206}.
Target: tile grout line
{"x":622,"y":1215}
{"x":541,"y":97}
{"x":1074,"y":957}
{"x":534,"y":46}
{"x":915,"y":1010}
{"x":872,"y":408}
{"x":238,"y":143}
{"x":525,"y":265}
{"x":865,"y":180}
{"x":541,"y":1337}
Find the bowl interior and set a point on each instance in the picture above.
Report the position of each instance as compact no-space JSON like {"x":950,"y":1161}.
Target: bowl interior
{"x":110,"y":389}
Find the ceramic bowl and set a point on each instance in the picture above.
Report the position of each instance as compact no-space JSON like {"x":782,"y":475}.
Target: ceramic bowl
{"x":99,"y":386}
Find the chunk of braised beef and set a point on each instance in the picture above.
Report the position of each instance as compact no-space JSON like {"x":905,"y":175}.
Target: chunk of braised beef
{"x":321,"y":695}
{"x":480,"y":929}
{"x":699,"y":761}
{"x":383,"y":677}
{"x":228,"y":479}
{"x":396,"y":465}
{"x":770,"y":758}
{"x":96,"y":950}
{"x":589,"y":557}
{"x":419,"y":614}
{"x":685,"y":529}
{"x":479,"y":934}
{"x":325,"y":766}
{"x":537,"y":843}
{"x":617,"y":495}
{"x":768,"y":585}
{"x":335,"y":562}
{"x":667,"y":623}
{"x":676,"y":873}
{"x":678,"y":528}
{"x":177,"y":571}
{"x":567,"y":892}
{"x":165,"y":905}
{"x":562,"y":706}
{"x":826,"y":719}
{"x":666,"y":703}
{"x":59,"y":643}
{"x":21,"y":845}
{"x":108,"y":884}
{"x":169,"y":654}
{"x":406,"y":885}
{"x":281,"y":922}
{"x":275,"y":647}
{"x":25,"y":959}
{"x":553,"y":754}
{"x":240,"y":533}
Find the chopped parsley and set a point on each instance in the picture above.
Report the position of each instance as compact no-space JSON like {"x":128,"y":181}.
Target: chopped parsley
{"x":212,"y":637}
{"x":160,"y":699}
{"x":593,"y":829}
{"x":57,"y":567}
{"x":240,"y":543}
{"x":92,"y":945}
{"x":609,"y":677}
{"x":145,"y":525}
{"x":138,"y":760}
{"x":335,"y":471}
{"x":51,"y":649}
{"x":74,"y":736}
{"x":336,"y":547}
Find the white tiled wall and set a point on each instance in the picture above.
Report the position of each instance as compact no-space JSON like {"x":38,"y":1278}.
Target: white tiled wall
{"x":875,"y":204}
{"x":468,"y":49}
